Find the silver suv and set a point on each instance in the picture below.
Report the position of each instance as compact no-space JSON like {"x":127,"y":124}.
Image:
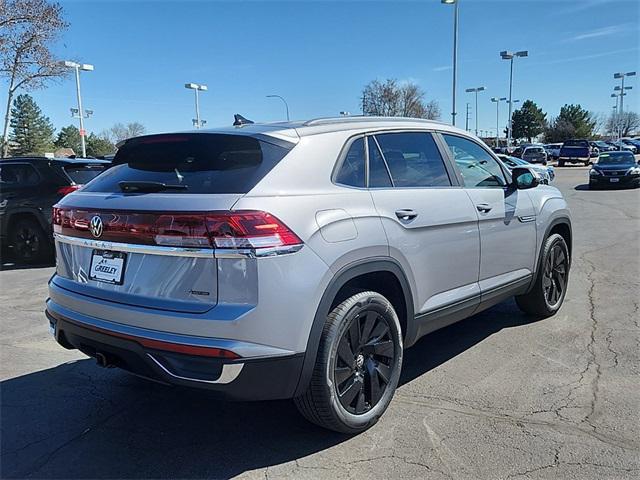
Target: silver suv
{"x":298,"y":260}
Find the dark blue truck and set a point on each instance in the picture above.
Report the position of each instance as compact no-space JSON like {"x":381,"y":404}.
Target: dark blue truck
{"x":575,"y":151}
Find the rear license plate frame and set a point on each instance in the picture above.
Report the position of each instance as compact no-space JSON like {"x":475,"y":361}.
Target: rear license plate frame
{"x":117,"y":260}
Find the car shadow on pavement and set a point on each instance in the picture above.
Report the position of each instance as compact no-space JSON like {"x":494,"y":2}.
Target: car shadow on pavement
{"x":77,"y":420}
{"x":7,"y":262}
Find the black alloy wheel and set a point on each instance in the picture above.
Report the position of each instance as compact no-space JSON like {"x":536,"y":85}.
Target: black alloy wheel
{"x":554,"y":280}
{"x":363,"y":366}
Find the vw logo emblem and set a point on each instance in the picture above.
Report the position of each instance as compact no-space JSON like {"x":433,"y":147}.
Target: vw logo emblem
{"x":95,"y":226}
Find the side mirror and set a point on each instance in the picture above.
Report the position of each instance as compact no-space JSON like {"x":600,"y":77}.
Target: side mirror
{"x":523,"y":178}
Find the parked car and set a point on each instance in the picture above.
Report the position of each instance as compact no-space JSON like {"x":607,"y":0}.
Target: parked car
{"x":299,"y":259}
{"x":535,"y":154}
{"x":615,"y":169}
{"x":600,"y":146}
{"x":575,"y":151}
{"x":30,"y":186}
{"x":633,"y":145}
{"x":621,"y":146}
{"x":547,"y":173}
{"x":553,"y":150}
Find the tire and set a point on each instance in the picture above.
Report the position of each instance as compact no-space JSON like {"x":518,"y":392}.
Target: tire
{"x":550,"y":287}
{"x":29,"y":243}
{"x":561,"y":163}
{"x":341,"y":395}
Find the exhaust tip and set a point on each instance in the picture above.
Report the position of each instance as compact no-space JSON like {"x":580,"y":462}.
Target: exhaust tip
{"x":102,"y":361}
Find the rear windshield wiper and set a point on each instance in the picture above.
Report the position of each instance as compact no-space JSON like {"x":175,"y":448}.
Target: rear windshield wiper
{"x":130,"y":187}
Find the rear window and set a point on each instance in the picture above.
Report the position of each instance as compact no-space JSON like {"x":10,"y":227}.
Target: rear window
{"x":534,"y":150}
{"x":82,"y":174}
{"x":201,"y":163}
{"x":575,"y":143}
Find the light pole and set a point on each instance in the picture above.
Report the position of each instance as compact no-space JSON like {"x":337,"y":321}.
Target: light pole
{"x":506,"y":55}
{"x":196,"y":87}
{"x":497,"y":101}
{"x":475,"y":90}
{"x":286,"y":106}
{"x":621,"y":76}
{"x":81,"y":113}
{"x":455,"y":55}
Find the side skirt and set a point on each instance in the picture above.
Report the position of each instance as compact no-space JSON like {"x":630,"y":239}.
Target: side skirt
{"x":444,"y":316}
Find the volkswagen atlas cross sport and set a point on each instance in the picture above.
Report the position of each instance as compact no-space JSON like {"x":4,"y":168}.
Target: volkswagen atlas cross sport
{"x":299,"y":260}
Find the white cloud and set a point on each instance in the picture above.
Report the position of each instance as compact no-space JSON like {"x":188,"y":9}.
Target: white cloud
{"x":599,"y":32}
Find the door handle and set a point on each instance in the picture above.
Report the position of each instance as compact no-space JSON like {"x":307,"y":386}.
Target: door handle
{"x":406,"y":214}
{"x":484,"y":207}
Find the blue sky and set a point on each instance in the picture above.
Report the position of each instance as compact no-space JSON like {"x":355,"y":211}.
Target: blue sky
{"x":319,"y":55}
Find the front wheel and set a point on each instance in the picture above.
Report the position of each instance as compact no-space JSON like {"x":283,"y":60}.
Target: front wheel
{"x":358,"y":365}
{"x":550,"y":287}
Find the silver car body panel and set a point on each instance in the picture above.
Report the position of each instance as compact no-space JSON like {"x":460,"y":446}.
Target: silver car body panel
{"x":450,"y":253}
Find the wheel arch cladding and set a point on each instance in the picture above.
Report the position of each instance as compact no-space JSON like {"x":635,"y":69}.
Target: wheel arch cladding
{"x":383,"y":273}
{"x":561,"y":226}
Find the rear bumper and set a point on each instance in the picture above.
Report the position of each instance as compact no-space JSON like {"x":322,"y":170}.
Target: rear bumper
{"x":257,"y":378}
{"x":563,"y":158}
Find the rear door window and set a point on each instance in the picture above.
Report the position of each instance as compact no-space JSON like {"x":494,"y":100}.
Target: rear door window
{"x":378,"y":172}
{"x":18,"y":175}
{"x":413,"y":159}
{"x":197,"y":163}
{"x":81,"y":174}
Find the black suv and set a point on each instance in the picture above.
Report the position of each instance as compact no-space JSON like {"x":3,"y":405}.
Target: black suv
{"x":29,"y":187}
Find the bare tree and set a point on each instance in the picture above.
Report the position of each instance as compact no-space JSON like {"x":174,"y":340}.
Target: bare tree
{"x":119,"y":131}
{"x":624,"y":124}
{"x":27,"y":30}
{"x":391,"y":99}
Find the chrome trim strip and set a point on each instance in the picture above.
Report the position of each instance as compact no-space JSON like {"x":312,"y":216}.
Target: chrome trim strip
{"x":527,"y":218}
{"x":133,"y":248}
{"x":178,"y":251}
{"x":230,"y":372}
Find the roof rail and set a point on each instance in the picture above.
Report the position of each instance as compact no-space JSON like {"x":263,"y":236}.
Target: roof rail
{"x":364,"y":118}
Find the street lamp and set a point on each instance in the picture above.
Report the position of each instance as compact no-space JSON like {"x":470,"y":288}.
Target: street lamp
{"x":475,"y":90}
{"x":621,"y":76}
{"x":455,"y":55}
{"x":197,"y":88}
{"x":497,"y":101}
{"x":506,"y":55}
{"x":81,"y":114}
{"x":286,"y":106}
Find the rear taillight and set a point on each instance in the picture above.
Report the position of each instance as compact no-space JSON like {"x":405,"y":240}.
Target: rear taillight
{"x":66,"y":190}
{"x":249,"y":229}
{"x":246,"y":229}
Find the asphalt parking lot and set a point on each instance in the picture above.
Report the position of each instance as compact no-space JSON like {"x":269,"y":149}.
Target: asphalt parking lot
{"x":498,"y":396}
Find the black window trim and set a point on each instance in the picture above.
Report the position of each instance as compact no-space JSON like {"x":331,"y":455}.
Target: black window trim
{"x":441,"y":145}
{"x":31,"y":165}
{"x":341,"y":158}
{"x":503,"y":169}
{"x":451,"y":173}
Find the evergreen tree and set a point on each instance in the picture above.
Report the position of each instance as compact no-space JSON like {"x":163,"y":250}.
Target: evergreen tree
{"x":31,"y":131}
{"x":582,"y":120}
{"x":69,"y":137}
{"x":529,"y":121}
{"x":98,"y":146}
